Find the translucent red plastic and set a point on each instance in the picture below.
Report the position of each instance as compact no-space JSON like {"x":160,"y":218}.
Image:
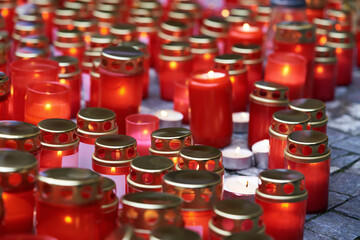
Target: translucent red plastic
{"x":324,"y":81}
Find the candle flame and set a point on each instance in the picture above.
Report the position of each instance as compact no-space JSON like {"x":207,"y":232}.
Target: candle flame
{"x":338,"y":50}
{"x":285,"y":205}
{"x":246,"y":27}
{"x":87,"y":38}
{"x":59,"y":153}
{"x":113,"y":170}
{"x":4,"y":12}
{"x":286,"y":70}
{"x":45,"y":15}
{"x":63,"y":81}
{"x":47,"y":106}
{"x":210,"y":74}
{"x":164,"y":113}
{"x":145,"y":132}
{"x":68,"y":219}
{"x":320,"y":69}
{"x":247,"y":183}
{"x":173,"y":65}
{"x":207,"y":56}
{"x":298,"y":48}
{"x":122,"y":91}
{"x":225,"y":13}
{"x":232,"y":79}
{"x":323,"y":40}
{"x":104,"y":30}
{"x":73,"y":51}
{"x":237,"y":150}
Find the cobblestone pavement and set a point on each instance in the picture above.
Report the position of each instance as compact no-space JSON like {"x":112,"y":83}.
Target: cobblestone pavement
{"x":342,"y":219}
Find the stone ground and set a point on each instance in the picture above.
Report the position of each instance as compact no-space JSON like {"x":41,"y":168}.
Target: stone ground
{"x":342,"y":219}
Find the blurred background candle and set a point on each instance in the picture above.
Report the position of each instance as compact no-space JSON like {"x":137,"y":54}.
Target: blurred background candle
{"x":63,"y":19}
{"x":194,"y":9}
{"x":260,"y":150}
{"x":109,"y":208}
{"x":23,"y":53}
{"x":124,"y":32}
{"x":4,"y":96}
{"x":263,"y":17}
{"x":288,"y":69}
{"x":218,"y":28}
{"x":47,"y":100}
{"x":140,"y":127}
{"x":7,"y":11}
{"x":174,"y":232}
{"x":240,"y":122}
{"x":37,"y":42}
{"x":246,"y":34}
{"x":87,"y":66}
{"x":181,"y":99}
{"x":342,"y":17}
{"x":204,"y":49}
{"x":169,"y":118}
{"x":315,"y":9}
{"x":87,"y":27}
{"x":323,"y":26}
{"x":69,"y":43}
{"x":237,"y":158}
{"x":242,"y":187}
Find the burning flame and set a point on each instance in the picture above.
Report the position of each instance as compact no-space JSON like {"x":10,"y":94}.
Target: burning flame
{"x":68,"y":219}
{"x":237,"y":150}
{"x":320,"y":69}
{"x":173,"y":65}
{"x":164,"y":113}
{"x":286,"y":70}
{"x":247,"y":183}
{"x":246,"y":27}
{"x":113,"y":170}
{"x":210,"y":74}
{"x":323,"y":40}
{"x":47,"y":106}
{"x":225,"y":13}
{"x":59,"y":153}
{"x":145,"y":132}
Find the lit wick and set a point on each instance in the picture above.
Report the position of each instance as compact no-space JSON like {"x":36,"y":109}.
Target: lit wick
{"x":247,"y":183}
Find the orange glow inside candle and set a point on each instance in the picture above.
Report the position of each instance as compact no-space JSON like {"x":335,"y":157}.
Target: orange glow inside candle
{"x":298,"y":48}
{"x":207,"y":56}
{"x":225,"y":13}
{"x":320,"y":69}
{"x":173,"y":65}
{"x":45,"y":15}
{"x":246,"y":27}
{"x":104,"y":30}
{"x":286,"y":70}
{"x":122,"y":91}
{"x":73,"y":51}
{"x":338,"y":50}
{"x":323,"y":40}
{"x":87,"y":38}
{"x":68,"y":219}
{"x":4,"y":12}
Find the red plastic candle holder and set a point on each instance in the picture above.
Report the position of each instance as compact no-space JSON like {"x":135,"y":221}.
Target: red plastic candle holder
{"x":218,"y":28}
{"x":100,"y":41}
{"x":323,"y":26}
{"x":282,"y":196}
{"x":87,"y":27}
{"x":7,"y":11}
{"x":288,"y":69}
{"x":214,"y":86}
{"x":265,"y":100}
{"x":245,"y":34}
{"x":200,"y":190}
{"x":4,"y":96}
{"x":18,"y":173}
{"x":183,"y":17}
{"x":47,"y":100}
{"x":181,"y":99}
{"x":308,"y":152}
{"x":233,"y":64}
{"x":146,"y":173}
{"x":284,"y":122}
{"x":121,"y":78}
{"x":263,"y":17}
{"x":140,"y":127}
{"x":47,"y":11}
{"x":342,"y":17}
{"x":105,"y":19}
{"x":68,"y":203}
{"x":204,"y":49}
{"x":192,"y":8}
{"x":315,"y":9}
{"x":69,"y":43}
{"x":174,"y":232}
{"x":124,"y":32}
{"x":82,"y":8}
{"x":63,"y":19}
{"x":59,"y":143}
{"x":93,"y":123}
{"x":37,"y":42}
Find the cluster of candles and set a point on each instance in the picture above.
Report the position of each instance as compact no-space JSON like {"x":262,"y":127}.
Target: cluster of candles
{"x":114,"y":173}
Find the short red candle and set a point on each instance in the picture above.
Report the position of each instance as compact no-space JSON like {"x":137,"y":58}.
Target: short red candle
{"x":76,"y":214}
{"x":124,"y":32}
{"x":47,"y":100}
{"x":70,"y":43}
{"x":218,"y":28}
{"x":204,"y":49}
{"x":18,"y":172}
{"x":284,"y":122}
{"x":181,"y":99}
{"x":282,"y":196}
{"x":265,"y":100}
{"x":24,"y":72}
{"x":245,"y":34}
{"x":63,"y":19}
{"x":288,"y":69}
{"x":7,"y":11}
{"x":109,"y":207}
{"x":323,"y":26}
{"x":140,"y":127}
{"x":211,"y":108}
{"x":342,"y":17}
{"x":307,"y":152}
{"x":4,"y":96}
{"x":87,"y":27}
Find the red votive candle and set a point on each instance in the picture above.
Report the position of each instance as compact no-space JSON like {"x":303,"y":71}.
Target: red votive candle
{"x":141,"y":209}
{"x":81,"y":8}
{"x":342,"y":17}
{"x":40,"y":42}
{"x":18,"y":173}
{"x":4,"y":96}
{"x":173,"y":232}
{"x":168,"y":142}
{"x":140,"y":127}
{"x":253,"y":60}
{"x":308,"y":152}
{"x":343,"y":44}
{"x":124,"y":32}
{"x":316,"y":109}
{"x":72,"y":215}
{"x":265,"y":100}
{"x":263,"y":17}
{"x":218,"y":28}
{"x":121,"y":78}
{"x":69,"y":43}
{"x":323,"y":26}
{"x":235,"y":216}
{"x":245,"y":34}
{"x":64,"y":19}
{"x":284,"y":122}
{"x":298,"y":38}
{"x":282,"y":196}
{"x":216,"y":112}
{"x":288,"y":69}
{"x":47,"y":100}
{"x":233,"y":64}
{"x":193,"y":8}
{"x":175,"y":64}
{"x":112,"y":157}
{"x":7,"y":11}
{"x":181,"y":99}
{"x":204,"y":50}
{"x":105,"y":19}
{"x":99,"y":41}
{"x":109,"y":208}
{"x":59,"y":142}
{"x":146,"y":173}
{"x":24,"y":72}
{"x":181,"y":16}
{"x":315,"y":9}
{"x":87,"y":27}
{"x":47,"y":11}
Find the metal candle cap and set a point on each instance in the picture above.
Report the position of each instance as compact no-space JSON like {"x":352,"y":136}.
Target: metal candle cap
{"x":315,"y":4}
{"x":231,"y":63}
{"x":144,"y":24}
{"x":35,"y":41}
{"x":175,"y":51}
{"x":281,"y":185}
{"x":314,"y":107}
{"x":199,"y":189}
{"x":18,"y":170}
{"x":146,"y":172}
{"x":58,"y":134}
{"x":99,"y":41}
{"x":285,"y":122}
{"x":85,"y":25}
{"x":4,"y":86}
{"x":307,"y":146}
{"x":143,"y":47}
{"x":269,"y":93}
{"x":124,"y":31}
{"x":324,"y":54}
{"x":173,"y":233}
{"x":249,"y":52}
{"x":323,"y":25}
{"x":242,"y":12}
{"x":295,"y":32}
{"x":94,"y":122}
{"x":174,"y":31}
{"x":19,"y":135}
{"x":124,"y":60}
{"x":23,"y":28}
{"x":69,"y":186}
{"x":24,"y":53}
{"x":193,"y":8}
{"x":110,"y":201}
{"x":248,"y":236}
{"x":288,"y":3}
{"x":69,"y":66}
{"x":202,"y":44}
{"x":340,"y":40}
{"x":152,"y":6}
{"x":181,"y":16}
{"x":215,"y":27}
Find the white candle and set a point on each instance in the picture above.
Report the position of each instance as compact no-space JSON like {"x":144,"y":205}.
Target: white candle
{"x":237,"y":158}
{"x":240,"y":122}
{"x":210,"y":75}
{"x":169,"y":118}
{"x":261,"y":153}
{"x":243,"y":187}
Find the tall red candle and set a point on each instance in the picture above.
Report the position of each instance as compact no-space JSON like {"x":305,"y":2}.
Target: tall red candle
{"x":245,"y":34}
{"x":211,"y":108}
{"x":308,"y":152}
{"x":24,"y":53}
{"x":323,"y":26}
{"x":105,"y":19}
{"x":63,"y":19}
{"x":342,"y":17}
{"x":47,"y":11}
{"x":263,"y":17}
{"x":204,"y":50}
{"x":265,"y":100}
{"x":124,"y":32}
{"x":70,"y":43}
{"x":18,"y":173}
{"x":217,"y":28}
{"x":315,"y":9}
{"x":283,"y":123}
{"x":4,"y":96}
{"x":7,"y":11}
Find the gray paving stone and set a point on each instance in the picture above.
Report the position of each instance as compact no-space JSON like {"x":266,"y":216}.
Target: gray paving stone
{"x":336,"y":199}
{"x":250,"y":171}
{"x":335,"y":153}
{"x":335,"y":136}
{"x":351,"y":144}
{"x":334,"y":169}
{"x":334,"y":225}
{"x":310,"y":235}
{"x":350,"y":208}
{"x":345,"y":183}
{"x":344,"y":161}
{"x":355,"y":168}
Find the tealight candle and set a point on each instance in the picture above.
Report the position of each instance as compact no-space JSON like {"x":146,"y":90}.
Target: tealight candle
{"x":242,"y":187}
{"x":240,"y":122}
{"x":169,"y":118}
{"x":261,"y":153}
{"x":245,"y":34}
{"x":236,"y":159}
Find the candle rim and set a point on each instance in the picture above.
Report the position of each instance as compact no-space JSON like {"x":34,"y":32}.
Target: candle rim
{"x":196,"y":75}
{"x":281,"y":58}
{"x":65,"y":89}
{"x":36,"y":65}
{"x":149,"y":119}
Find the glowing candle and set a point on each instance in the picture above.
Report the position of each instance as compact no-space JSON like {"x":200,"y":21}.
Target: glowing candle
{"x":245,"y":34}
{"x":204,"y":49}
{"x":70,"y":43}
{"x":237,"y":158}
{"x":315,"y":9}
{"x":218,"y":28}
{"x":63,"y":19}
{"x":242,"y":187}
{"x":342,"y":17}
{"x":124,"y":32}
{"x":87,"y":66}
{"x":87,"y":27}
{"x":169,"y":118}
{"x":323,"y":26}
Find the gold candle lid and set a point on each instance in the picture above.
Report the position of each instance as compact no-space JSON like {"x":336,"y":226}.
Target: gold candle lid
{"x":315,"y":4}
{"x":137,"y":45}
{"x":231,"y":63}
{"x":174,"y":31}
{"x":175,"y":51}
{"x":199,"y":189}
{"x":80,"y":8}
{"x":121,"y":59}
{"x":124,"y":31}
{"x":24,"y":53}
{"x":144,"y":24}
{"x":94,"y":122}
{"x":248,"y":236}
{"x":110,"y":201}
{"x":241,"y":12}
{"x":181,"y":16}
{"x":58,"y":134}
{"x":29,"y":13}
{"x":85,"y":25}
{"x":314,"y":107}
{"x":251,"y":53}
{"x":69,"y":38}
{"x":340,"y":40}
{"x":35,"y":41}
{"x":193,"y":8}
{"x":99,"y":41}
{"x":18,"y":170}
{"x":173,"y":233}
{"x":65,"y":13}
{"x":146,"y":172}
{"x":69,"y":186}
{"x":22,"y":29}
{"x":4,"y":86}
{"x":269,"y":93}
{"x":202,"y":44}
{"x":281,"y":185}
{"x":69,"y":66}
{"x":295,"y":32}
{"x":285,"y":122}
{"x":19,"y":135}
{"x":324,"y":54}
{"x":307,"y":146}
{"x":216,"y":27}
